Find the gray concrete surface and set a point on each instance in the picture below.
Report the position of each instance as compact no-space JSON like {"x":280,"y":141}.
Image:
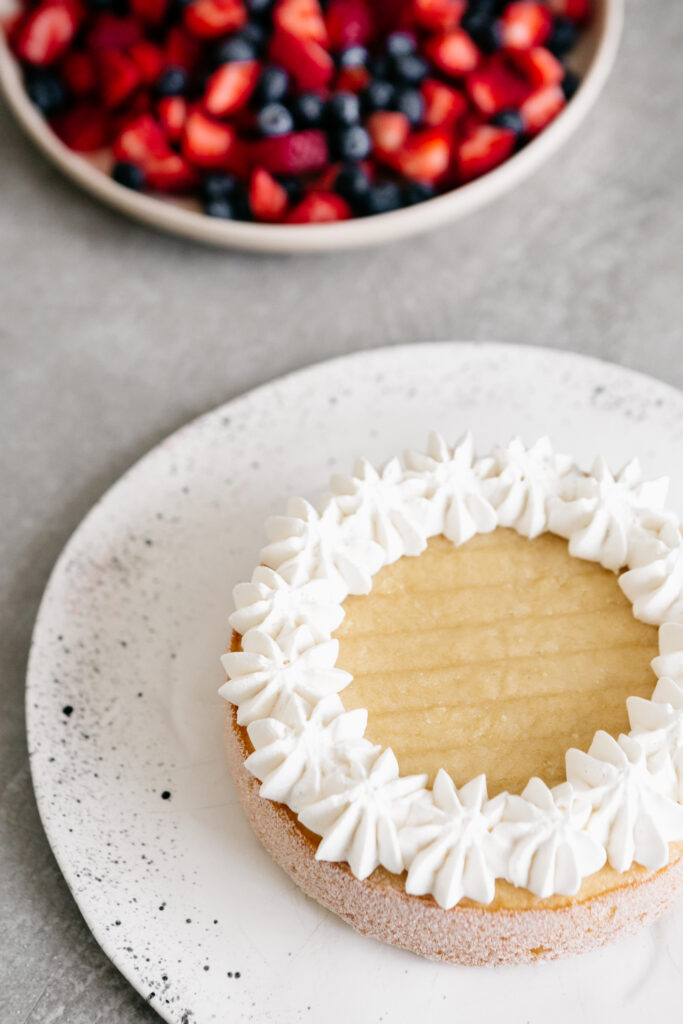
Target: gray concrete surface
{"x":112,"y":336}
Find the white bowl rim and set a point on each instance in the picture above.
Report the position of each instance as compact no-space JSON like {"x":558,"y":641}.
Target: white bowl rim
{"x":355,"y":233}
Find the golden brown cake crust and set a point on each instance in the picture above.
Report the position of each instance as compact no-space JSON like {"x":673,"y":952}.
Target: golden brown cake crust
{"x":470,"y":934}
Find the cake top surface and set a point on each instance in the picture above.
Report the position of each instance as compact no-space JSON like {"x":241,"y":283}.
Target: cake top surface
{"x":621,"y":801}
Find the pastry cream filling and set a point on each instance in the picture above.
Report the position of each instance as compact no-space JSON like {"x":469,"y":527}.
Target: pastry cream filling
{"x":496,"y":656}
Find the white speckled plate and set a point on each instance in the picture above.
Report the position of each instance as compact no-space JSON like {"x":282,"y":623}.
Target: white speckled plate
{"x":125,"y":725}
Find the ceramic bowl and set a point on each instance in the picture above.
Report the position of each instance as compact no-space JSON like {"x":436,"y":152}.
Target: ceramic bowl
{"x":593,"y":59}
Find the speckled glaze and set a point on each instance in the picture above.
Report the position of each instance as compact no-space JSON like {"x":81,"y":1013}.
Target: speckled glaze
{"x":125,"y":722}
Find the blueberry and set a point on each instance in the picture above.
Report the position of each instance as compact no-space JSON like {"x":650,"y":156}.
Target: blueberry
{"x":382,"y":197}
{"x":480,"y":21}
{"x":563,"y":36}
{"x":411,"y":69}
{"x":308,"y":110}
{"x":570,"y":83}
{"x":380,"y":67}
{"x":222,"y":208}
{"x":236,"y":48}
{"x":171,"y":82}
{"x":400,"y":44}
{"x":174,"y":11}
{"x":353,"y":57}
{"x":255,"y":34}
{"x":46,"y":91}
{"x":292,"y":187}
{"x":353,"y":184}
{"x":240,"y":203}
{"x":129,"y":175}
{"x":105,"y":5}
{"x":259,"y":8}
{"x":351,"y":143}
{"x":509,"y":118}
{"x":410,"y":103}
{"x":378,"y":95}
{"x":416,"y":192}
{"x":229,"y":207}
{"x":218,"y":186}
{"x":272,"y":85}
{"x":343,"y":109}
{"x":274,"y":119}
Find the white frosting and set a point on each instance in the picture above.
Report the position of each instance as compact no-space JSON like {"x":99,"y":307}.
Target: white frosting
{"x":655,"y":589}
{"x":391,"y":501}
{"x":623,"y":799}
{"x":307,"y":544}
{"x":608,"y":518}
{"x":522,"y":482}
{"x":266,"y":678}
{"x":291,"y":758}
{"x":361,"y":812}
{"x":447,"y":842}
{"x":632,"y":817}
{"x":657,"y":724}
{"x":549,"y":849}
{"x":670,"y":660}
{"x":453,"y":476}
{"x":271,"y":604}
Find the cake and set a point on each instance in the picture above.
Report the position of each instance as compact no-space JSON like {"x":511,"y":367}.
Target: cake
{"x":442,"y":715}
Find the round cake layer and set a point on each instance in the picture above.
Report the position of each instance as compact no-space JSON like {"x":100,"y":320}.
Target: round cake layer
{"x":517,"y":927}
{"x":495,"y":656}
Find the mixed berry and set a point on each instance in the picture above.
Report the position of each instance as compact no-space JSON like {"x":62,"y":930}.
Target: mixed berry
{"x":299,"y":111}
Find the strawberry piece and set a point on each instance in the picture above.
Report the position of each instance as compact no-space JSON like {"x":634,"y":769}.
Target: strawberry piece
{"x":539,"y":66}
{"x":172,"y":111}
{"x":208,"y":143}
{"x":388,"y":130}
{"x":84,"y":128}
{"x":230,"y":87}
{"x":119,"y":77}
{"x":267,"y":197}
{"x":111,"y":33}
{"x":575,"y":10}
{"x":301,"y":18}
{"x":541,"y":107}
{"x":483,"y":148}
{"x":209,"y":19}
{"x":352,"y":79}
{"x":295,"y":153}
{"x":349,"y":23}
{"x":309,"y":64}
{"x":181,"y":49}
{"x":140,"y":141}
{"x":438,"y":15}
{"x":525,"y":23}
{"x":139,"y":103}
{"x":170,"y":173}
{"x":495,"y":87}
{"x":45,"y":34}
{"x":151,"y":12}
{"x":149,"y":60}
{"x":442,"y":105}
{"x":426,"y":155}
{"x":11,"y":24}
{"x":453,"y":53}
{"x":320,"y":208}
{"x":78,"y":73}
{"x":326,"y":181}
